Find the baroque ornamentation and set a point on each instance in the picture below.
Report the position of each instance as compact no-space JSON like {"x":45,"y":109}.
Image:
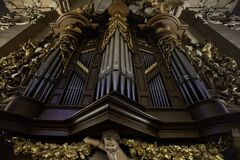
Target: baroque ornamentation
{"x":149,"y":8}
{"x":32,"y":3}
{"x":117,"y":21}
{"x":51,"y":151}
{"x":111,"y":145}
{"x":168,"y":41}
{"x":67,"y":45}
{"x":210,"y":13}
{"x":220,"y":71}
{"x":153,"y":151}
{"x":19,"y":65}
{"x":26,"y":16}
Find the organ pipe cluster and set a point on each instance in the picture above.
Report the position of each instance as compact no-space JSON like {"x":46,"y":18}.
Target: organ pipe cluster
{"x":190,"y":85}
{"x":116,"y":72}
{"x":44,"y":79}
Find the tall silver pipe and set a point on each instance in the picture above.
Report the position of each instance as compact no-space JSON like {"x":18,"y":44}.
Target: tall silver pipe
{"x":152,"y":93}
{"x":47,"y":76}
{"x":109,"y":65}
{"x":123,"y":66}
{"x":50,"y":83}
{"x":155,"y":89}
{"x":40,"y":73}
{"x":69,"y":90}
{"x":116,"y":61}
{"x":181,"y":84}
{"x":74,"y":90}
{"x":164,"y":92}
{"x":161,"y":91}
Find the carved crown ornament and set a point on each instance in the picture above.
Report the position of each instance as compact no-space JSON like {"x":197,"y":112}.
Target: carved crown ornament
{"x":117,"y":148}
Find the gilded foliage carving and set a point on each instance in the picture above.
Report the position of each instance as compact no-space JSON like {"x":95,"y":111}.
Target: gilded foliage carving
{"x":152,"y":151}
{"x":19,"y":65}
{"x":138,"y":150}
{"x":219,"y":70}
{"x":51,"y":151}
{"x":118,"y":22}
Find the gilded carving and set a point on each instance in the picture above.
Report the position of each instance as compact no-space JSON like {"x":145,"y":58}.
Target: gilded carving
{"x":25,"y":16}
{"x":19,"y":65}
{"x":111,"y":142}
{"x":152,"y":151}
{"x":51,"y":151}
{"x":220,"y":71}
{"x":67,"y":45}
{"x":118,"y":22}
{"x":168,"y":40}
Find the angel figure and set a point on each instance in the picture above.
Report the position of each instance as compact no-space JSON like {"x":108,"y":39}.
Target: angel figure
{"x":109,"y":144}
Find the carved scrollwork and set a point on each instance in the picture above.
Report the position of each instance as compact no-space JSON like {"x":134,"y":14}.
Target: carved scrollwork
{"x":67,"y":45}
{"x":19,"y":65}
{"x":220,"y":71}
{"x":168,"y":40}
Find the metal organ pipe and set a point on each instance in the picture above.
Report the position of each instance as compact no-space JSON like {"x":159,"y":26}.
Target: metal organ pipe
{"x":158,"y":92}
{"x":50,"y":83}
{"x":116,"y":71}
{"x":74,"y":91}
{"x":156,"y":87}
{"x":189,"y":82}
{"x":33,"y":85}
{"x":42,"y":83}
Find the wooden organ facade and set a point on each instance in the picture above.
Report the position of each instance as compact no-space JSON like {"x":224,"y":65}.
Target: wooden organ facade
{"x":116,"y":71}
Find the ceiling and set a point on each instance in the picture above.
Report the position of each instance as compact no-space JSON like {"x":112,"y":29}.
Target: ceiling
{"x":192,"y":4}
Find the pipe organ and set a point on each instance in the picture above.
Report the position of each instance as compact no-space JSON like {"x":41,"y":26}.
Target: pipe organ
{"x":190,"y":84}
{"x":103,"y":73}
{"x":116,"y":72}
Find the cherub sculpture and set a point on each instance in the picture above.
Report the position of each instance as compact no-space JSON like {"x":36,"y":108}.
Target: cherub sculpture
{"x":109,"y":144}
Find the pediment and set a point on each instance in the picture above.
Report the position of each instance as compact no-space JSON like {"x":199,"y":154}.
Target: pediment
{"x":114,"y":112}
